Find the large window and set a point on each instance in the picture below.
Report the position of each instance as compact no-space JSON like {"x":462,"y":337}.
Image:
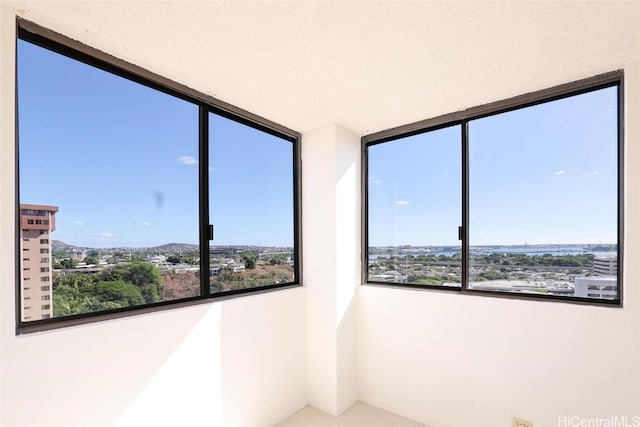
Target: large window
{"x":522,"y":197}
{"x":142,"y":192}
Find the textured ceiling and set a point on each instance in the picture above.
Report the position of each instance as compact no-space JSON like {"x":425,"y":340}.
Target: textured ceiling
{"x":367,"y":65}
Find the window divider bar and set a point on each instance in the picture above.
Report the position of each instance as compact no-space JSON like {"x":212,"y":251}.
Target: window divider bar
{"x":203,"y":172}
{"x":464,"y":126}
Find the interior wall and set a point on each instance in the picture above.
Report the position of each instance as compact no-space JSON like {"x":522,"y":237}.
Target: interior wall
{"x":331,"y":264}
{"x":240,"y":361}
{"x":450,"y":360}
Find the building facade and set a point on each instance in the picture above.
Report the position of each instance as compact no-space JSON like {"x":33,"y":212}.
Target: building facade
{"x":37,"y":222}
{"x":605,"y":266}
{"x":596,"y":287}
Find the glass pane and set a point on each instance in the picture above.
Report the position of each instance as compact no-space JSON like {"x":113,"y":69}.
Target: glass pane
{"x":251,"y":207}
{"x":108,"y":186}
{"x":414,"y":205}
{"x":543,"y":198}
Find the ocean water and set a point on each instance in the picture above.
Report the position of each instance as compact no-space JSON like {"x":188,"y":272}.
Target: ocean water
{"x":557,"y":250}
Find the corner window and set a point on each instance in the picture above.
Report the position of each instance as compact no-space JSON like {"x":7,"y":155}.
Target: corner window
{"x":152,"y":193}
{"x":521,"y":198}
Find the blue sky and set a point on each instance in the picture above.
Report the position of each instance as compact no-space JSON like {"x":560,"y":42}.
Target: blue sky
{"x":120,"y":161}
{"x":544,"y":174}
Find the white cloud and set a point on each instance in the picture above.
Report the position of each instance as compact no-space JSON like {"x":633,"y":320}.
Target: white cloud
{"x":106,"y":234}
{"x":78,"y":222}
{"x":592,"y":173}
{"x":560,"y":172}
{"x":187,"y":160}
{"x":146,"y":223}
{"x":401,"y":202}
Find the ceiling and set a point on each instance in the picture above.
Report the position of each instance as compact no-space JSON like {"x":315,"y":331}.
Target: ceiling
{"x":364,"y":65}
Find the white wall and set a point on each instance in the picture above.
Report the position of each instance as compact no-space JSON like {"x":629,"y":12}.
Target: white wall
{"x":239,"y":362}
{"x":331,"y":177}
{"x":458,"y":361}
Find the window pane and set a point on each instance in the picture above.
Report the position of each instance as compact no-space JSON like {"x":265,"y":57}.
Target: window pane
{"x":108,"y":186}
{"x":251,"y":207}
{"x":414,"y":209}
{"x":543,"y":198}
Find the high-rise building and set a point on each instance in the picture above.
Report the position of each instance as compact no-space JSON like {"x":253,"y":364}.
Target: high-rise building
{"x":605,"y":266}
{"x":36,"y":224}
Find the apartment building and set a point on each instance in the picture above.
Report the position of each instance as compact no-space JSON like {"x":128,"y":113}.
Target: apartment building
{"x":37,"y":222}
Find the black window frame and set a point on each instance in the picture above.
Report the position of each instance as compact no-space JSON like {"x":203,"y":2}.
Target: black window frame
{"x":462,"y":118}
{"x":206,"y":104}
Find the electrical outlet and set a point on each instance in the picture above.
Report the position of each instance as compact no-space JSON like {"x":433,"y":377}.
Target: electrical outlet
{"x":519,"y":422}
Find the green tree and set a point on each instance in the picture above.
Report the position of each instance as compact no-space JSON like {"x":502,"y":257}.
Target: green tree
{"x":174,"y":259}
{"x":68,"y":263}
{"x":250,"y":261}
{"x":141,"y":274}
{"x":91,"y":260}
{"x":121,"y":293}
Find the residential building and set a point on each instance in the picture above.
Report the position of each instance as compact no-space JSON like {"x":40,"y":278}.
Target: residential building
{"x":37,"y":222}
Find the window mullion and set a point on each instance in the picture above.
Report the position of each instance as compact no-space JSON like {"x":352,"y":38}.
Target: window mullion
{"x":464,"y":126}
{"x":203,"y":135}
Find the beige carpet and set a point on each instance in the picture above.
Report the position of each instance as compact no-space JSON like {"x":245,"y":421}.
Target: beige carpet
{"x":359,"y":415}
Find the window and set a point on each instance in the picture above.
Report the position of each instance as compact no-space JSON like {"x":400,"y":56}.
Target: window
{"x":45,"y":297}
{"x":45,"y":288}
{"x":416,"y":180}
{"x":177,"y":197}
{"x":256,"y":242}
{"x":521,"y":197}
{"x":45,"y":306}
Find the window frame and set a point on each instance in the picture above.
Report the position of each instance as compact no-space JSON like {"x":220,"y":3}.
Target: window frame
{"x":462,"y":119}
{"x":34,"y":33}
